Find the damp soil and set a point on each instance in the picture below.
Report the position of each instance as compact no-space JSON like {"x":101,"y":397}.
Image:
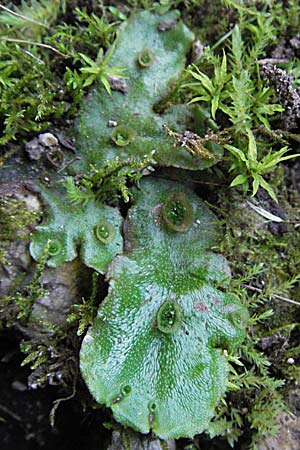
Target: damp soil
{"x":25,"y":413}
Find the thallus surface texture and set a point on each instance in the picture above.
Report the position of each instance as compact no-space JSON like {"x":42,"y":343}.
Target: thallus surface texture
{"x":152,"y":60}
{"x":155,"y":353}
{"x":95,"y":228}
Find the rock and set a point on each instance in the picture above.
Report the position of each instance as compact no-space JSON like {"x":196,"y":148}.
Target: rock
{"x":18,"y":386}
{"x":61,"y":285}
{"x":118,"y":84}
{"x":112,"y":123}
{"x":18,"y":260}
{"x":295,"y":43}
{"x":66,"y":142}
{"x":197,"y":50}
{"x":294,"y":400}
{"x":47,"y":139}
{"x":34,"y":149}
{"x":130,"y":439}
{"x":288,"y":436}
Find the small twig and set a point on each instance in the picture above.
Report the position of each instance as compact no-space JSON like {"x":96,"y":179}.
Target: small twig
{"x":278,"y":135}
{"x":289,"y":135}
{"x":57,"y":402}
{"x":210,"y":183}
{"x":284,"y":299}
{"x":24,"y":17}
{"x":279,"y":297}
{"x":275,"y":135}
{"x":38,"y":60}
{"x":68,"y":163}
{"x":39,"y":44}
{"x":10,"y":413}
{"x":195,"y":144}
{"x":273,"y":61}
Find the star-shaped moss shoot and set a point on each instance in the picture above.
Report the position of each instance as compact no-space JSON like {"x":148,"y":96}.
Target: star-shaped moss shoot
{"x":156,"y":351}
{"x":94,"y":229}
{"x":124,"y":124}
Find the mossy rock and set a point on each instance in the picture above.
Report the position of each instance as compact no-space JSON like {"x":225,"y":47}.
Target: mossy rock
{"x":156,"y":353}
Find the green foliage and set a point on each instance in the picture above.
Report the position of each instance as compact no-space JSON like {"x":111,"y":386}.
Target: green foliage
{"x":99,"y":69}
{"x":18,"y":305}
{"x":86,"y":311}
{"x":249,"y":167}
{"x":264,"y":414}
{"x":158,"y":343}
{"x":37,"y":355}
{"x":36,"y":87}
{"x":108,"y":183}
{"x":26,"y":298}
{"x":32,"y":18}
{"x":30,"y":93}
{"x":285,"y":14}
{"x":86,"y":35}
{"x":50,"y":355}
{"x":210,"y":90}
{"x":69,"y":225}
{"x":236,"y":91}
{"x":254,"y":388}
{"x":257,"y":377}
{"x":81,"y":43}
{"x":99,"y":29}
{"x":236,"y":87}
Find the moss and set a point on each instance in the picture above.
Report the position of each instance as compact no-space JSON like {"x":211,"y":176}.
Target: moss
{"x":264,"y":258}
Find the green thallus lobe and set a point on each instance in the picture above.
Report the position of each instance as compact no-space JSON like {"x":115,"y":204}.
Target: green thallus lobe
{"x":162,"y":329}
{"x":152,"y":59}
{"x":159,"y":376}
{"x":94,"y":227}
